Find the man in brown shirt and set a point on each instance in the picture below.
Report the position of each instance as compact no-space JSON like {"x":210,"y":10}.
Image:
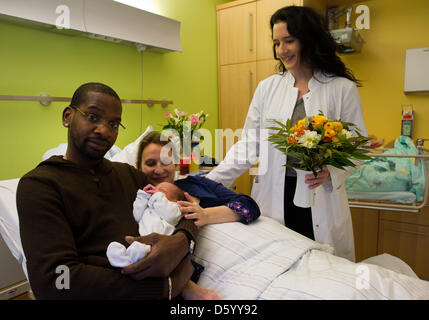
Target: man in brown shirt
{"x":70,"y":208}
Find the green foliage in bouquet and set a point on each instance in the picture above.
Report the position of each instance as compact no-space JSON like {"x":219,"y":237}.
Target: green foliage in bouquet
{"x":316,"y":141}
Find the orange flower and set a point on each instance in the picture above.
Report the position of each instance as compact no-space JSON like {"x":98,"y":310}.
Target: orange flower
{"x":327,"y":139}
{"x":300,"y":131}
{"x":291,"y":139}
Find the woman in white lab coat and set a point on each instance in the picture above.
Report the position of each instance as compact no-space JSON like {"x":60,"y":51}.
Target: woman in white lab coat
{"x":312,"y":79}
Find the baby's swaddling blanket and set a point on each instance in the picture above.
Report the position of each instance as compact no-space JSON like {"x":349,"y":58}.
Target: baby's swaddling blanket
{"x":153,"y":213}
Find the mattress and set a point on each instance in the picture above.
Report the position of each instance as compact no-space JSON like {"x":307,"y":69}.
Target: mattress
{"x":397,"y":197}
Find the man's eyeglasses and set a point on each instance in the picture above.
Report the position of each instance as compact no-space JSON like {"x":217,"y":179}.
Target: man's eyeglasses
{"x":97,"y":120}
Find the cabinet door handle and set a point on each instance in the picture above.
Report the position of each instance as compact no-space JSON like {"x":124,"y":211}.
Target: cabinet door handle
{"x":411,"y":232}
{"x":250,"y":86}
{"x":250,"y":31}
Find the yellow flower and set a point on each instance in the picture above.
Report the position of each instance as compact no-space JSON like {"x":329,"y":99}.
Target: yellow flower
{"x":330,"y":133}
{"x":318,"y":121}
{"x":338,"y":127}
{"x":301,"y":123}
{"x":293,"y":129}
{"x":328,"y":125}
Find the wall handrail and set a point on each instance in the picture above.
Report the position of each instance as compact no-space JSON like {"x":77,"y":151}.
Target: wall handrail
{"x":46,"y":99}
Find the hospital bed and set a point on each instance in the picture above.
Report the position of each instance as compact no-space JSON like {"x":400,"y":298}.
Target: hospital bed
{"x":13,"y":270}
{"x":264,"y":260}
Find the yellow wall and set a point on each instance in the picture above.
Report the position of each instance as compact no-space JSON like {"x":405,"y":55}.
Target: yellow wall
{"x":395,"y":25}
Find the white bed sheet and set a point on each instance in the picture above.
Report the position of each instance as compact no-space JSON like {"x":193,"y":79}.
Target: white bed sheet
{"x":265,"y":260}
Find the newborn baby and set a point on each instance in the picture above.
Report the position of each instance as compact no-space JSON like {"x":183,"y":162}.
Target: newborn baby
{"x":155,"y":210}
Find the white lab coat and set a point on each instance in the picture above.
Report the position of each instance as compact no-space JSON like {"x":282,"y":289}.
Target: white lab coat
{"x":275,"y":98}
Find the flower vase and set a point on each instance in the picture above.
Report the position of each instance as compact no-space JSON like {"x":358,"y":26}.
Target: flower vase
{"x":303,"y":195}
{"x":194,"y":166}
{"x":184,"y":165}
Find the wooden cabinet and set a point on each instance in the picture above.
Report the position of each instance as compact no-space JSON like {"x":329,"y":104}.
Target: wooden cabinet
{"x":237,"y":32}
{"x":365,"y":230}
{"x":409,"y":242}
{"x":406,"y":236}
{"x":237,"y":83}
{"x":402,"y":234}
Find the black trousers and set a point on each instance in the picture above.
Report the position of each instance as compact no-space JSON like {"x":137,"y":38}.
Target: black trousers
{"x":296,"y":218}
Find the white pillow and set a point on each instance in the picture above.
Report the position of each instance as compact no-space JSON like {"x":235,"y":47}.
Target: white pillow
{"x":9,"y":222}
{"x":129,"y":153}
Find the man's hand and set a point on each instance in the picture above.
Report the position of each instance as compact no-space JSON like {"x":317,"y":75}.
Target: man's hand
{"x":166,"y":254}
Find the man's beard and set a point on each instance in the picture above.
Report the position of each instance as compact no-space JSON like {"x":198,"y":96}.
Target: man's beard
{"x":85,"y":148}
{"x":93,"y":153}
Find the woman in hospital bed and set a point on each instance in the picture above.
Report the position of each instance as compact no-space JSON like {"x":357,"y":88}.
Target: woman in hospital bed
{"x":159,"y":208}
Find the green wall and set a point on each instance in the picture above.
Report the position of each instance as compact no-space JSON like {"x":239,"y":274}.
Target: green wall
{"x":33,"y":62}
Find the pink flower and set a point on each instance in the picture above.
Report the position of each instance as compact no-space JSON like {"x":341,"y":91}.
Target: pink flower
{"x":194,"y":119}
{"x":182,"y":113}
{"x":169,"y":115}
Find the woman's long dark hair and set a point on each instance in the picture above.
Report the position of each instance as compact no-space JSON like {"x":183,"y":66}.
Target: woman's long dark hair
{"x":318,"y":48}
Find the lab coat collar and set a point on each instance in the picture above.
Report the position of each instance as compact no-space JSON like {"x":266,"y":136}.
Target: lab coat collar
{"x":316,"y":80}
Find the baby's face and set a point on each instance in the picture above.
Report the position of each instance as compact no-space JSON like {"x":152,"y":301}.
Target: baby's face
{"x":171,"y":191}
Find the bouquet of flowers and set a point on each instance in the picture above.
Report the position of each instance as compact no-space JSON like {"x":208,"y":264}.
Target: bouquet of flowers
{"x":184,"y":124}
{"x":316,"y":141}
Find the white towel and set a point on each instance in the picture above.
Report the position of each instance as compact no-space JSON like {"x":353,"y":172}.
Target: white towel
{"x":120,"y":257}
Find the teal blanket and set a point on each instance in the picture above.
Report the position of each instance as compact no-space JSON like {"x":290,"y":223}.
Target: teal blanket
{"x":391,"y":174}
